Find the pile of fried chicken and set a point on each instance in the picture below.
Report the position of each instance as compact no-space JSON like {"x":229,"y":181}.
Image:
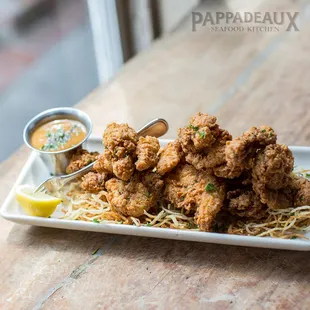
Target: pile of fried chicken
{"x":204,"y":171}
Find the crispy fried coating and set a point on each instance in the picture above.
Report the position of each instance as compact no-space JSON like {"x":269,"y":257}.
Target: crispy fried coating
{"x":213,"y":156}
{"x":273,"y":166}
{"x":147,"y":150}
{"x":120,"y":140}
{"x":123,"y":168}
{"x":276,"y":199}
{"x":201,"y":133}
{"x":302,"y":186}
{"x":81,"y":159}
{"x":104,"y":162}
{"x":245,"y":203}
{"x":169,"y":157}
{"x":188,"y":188}
{"x":131,"y":198}
{"x":271,"y":176}
{"x":240,"y":152}
{"x":93,"y":181}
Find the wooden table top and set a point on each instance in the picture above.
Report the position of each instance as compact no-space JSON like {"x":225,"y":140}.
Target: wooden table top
{"x":244,"y":79}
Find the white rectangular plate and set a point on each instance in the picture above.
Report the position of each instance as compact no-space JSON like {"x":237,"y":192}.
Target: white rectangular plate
{"x":34,"y":172}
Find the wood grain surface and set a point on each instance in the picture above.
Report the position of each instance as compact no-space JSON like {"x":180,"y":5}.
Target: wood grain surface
{"x":245,"y":79}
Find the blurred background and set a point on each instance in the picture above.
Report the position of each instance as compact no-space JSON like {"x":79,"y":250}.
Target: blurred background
{"x":54,"y":52}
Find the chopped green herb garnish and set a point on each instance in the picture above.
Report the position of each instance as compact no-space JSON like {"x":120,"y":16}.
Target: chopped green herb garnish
{"x":270,"y":134}
{"x":264,"y":130}
{"x":51,"y":174}
{"x":148,"y":224}
{"x":95,"y":251}
{"x":302,"y":198}
{"x":210,"y":187}
{"x":189,"y":225}
{"x":196,"y":181}
{"x":96,"y":221}
{"x":148,"y":194}
{"x":182,"y":198}
{"x":196,"y":226}
{"x":121,"y":222}
{"x":195,"y":128}
{"x":202,"y":134}
{"x":307,"y":175}
{"x":294,"y":237}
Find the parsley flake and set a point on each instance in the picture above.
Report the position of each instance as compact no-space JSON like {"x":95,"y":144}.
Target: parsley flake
{"x":210,"y":187}
{"x":95,"y":251}
{"x":96,"y":221}
{"x":195,"y":128}
{"x":202,"y":134}
{"x":149,"y":224}
{"x":307,"y":175}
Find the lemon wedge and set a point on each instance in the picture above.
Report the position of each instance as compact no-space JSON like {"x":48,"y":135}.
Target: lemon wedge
{"x":36,"y":204}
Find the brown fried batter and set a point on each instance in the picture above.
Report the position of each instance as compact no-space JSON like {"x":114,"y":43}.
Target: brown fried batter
{"x":147,"y":150}
{"x":120,"y":141}
{"x":93,"y":181}
{"x":131,"y":198}
{"x":239,"y":152}
{"x":201,"y":133}
{"x":271,"y":176}
{"x":213,"y":156}
{"x":245,"y":203}
{"x":169,"y":157}
{"x":195,"y":190}
{"x":104,"y":162}
{"x":123,"y":168}
{"x":303,"y":191}
{"x":81,"y":159}
{"x":273,"y":166}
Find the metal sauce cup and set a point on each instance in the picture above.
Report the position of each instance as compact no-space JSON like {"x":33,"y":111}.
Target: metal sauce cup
{"x":57,"y":161}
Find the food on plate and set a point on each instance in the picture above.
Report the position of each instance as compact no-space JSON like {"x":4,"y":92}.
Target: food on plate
{"x":120,"y":142}
{"x":204,"y":180}
{"x":36,"y":204}
{"x":58,"y":135}
{"x":147,"y":153}
{"x":80,"y":159}
{"x":169,"y":157}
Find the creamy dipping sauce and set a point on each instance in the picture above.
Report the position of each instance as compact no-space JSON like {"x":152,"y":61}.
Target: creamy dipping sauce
{"x":58,"y":135}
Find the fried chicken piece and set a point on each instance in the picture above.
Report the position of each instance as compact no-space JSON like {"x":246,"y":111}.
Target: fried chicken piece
{"x":147,"y":150}
{"x":201,"y":133}
{"x":239,"y":152}
{"x":223,"y":171}
{"x":302,"y":186}
{"x":213,"y":156}
{"x":245,"y":203}
{"x":93,"y":181}
{"x":240,"y":149}
{"x":188,"y":188}
{"x":104,"y":162}
{"x":81,"y":159}
{"x":123,"y":168}
{"x":131,"y":198}
{"x":271,"y":176}
{"x":276,"y":199}
{"x":118,"y":137}
{"x":169,"y":157}
{"x":273,"y":166}
{"x":120,"y":140}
